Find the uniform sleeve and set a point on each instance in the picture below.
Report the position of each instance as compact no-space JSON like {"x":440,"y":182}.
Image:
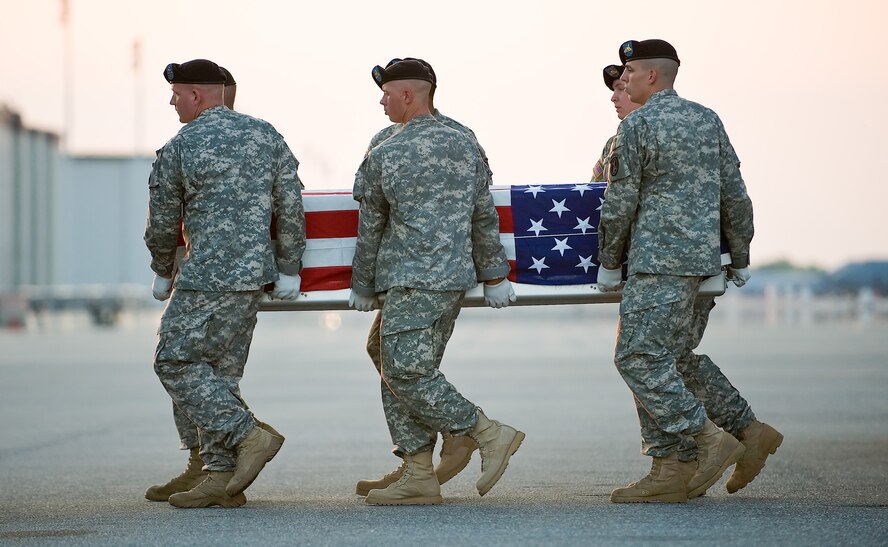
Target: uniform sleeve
{"x":488,"y":172}
{"x":487,"y":250}
{"x":165,"y":201}
{"x":625,"y":165}
{"x":372,"y":220}
{"x":736,"y":207}
{"x":288,"y":211}
{"x":598,"y":171}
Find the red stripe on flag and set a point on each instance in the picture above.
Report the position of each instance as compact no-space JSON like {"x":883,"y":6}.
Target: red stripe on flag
{"x":330,"y":224}
{"x":505,"y":219}
{"x":326,"y":278}
{"x":511,"y":271}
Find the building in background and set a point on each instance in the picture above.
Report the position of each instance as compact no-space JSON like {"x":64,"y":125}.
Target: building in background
{"x":70,"y":227}
{"x":29,"y":178}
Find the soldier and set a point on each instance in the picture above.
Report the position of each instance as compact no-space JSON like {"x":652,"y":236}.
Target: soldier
{"x":456,"y":451}
{"x":674,"y":185}
{"x":189,"y":435}
{"x":623,"y":106}
{"x":220,"y":178}
{"x":428,"y":231}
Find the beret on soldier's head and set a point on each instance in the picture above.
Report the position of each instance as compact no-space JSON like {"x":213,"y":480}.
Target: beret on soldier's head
{"x":198,"y":71}
{"x":229,"y":79}
{"x":404,"y":69}
{"x":634,"y":50}
{"x":612,"y":74}
{"x":427,"y":65}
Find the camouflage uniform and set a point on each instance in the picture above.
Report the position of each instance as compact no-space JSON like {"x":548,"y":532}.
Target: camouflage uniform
{"x":674,"y":185}
{"x":374,"y":341}
{"x":428,"y":231}
{"x":599,"y":171}
{"x":221,"y":176}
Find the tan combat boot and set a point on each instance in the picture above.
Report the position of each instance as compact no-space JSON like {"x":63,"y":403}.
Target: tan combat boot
{"x":667,"y":482}
{"x":717,"y":451}
{"x":191,"y":477}
{"x":210,"y":492}
{"x":760,"y":439}
{"x":498,"y":442}
{"x":456,"y":451}
{"x":365,"y":486}
{"x":268,"y":428}
{"x":417,"y":485}
{"x":257,"y":449}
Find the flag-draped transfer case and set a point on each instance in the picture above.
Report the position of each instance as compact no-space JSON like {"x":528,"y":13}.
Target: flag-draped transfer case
{"x":549,"y":231}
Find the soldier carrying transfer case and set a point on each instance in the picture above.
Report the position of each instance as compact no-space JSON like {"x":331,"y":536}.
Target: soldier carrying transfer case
{"x":221,"y":178}
{"x":428,"y":231}
{"x":456,"y":451}
{"x":674,"y":187}
{"x":623,"y":106}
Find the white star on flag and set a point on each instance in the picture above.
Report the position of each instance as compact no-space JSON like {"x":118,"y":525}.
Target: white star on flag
{"x":538,"y":265}
{"x":583,"y":225}
{"x":561,"y":246}
{"x":586,"y":263}
{"x":534,"y":190}
{"x":536,"y":226}
{"x":600,"y":204}
{"x":581,"y":188}
{"x":558,"y":207}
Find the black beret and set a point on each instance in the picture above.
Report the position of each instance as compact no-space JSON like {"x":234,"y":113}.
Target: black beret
{"x":427,"y":65}
{"x":403,"y":69}
{"x":612,"y":74}
{"x":647,"y":49}
{"x":229,"y":79}
{"x":198,"y":71}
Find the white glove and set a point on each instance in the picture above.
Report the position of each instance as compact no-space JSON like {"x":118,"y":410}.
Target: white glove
{"x":286,"y":287}
{"x":161,"y":287}
{"x":739,"y":275}
{"x":361,"y":303}
{"x":499,"y":295}
{"x":609,"y":280}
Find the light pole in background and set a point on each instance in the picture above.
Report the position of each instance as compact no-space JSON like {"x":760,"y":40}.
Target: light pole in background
{"x":68,"y":78}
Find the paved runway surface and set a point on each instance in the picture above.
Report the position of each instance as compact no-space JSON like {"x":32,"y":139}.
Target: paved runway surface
{"x":86,"y":427}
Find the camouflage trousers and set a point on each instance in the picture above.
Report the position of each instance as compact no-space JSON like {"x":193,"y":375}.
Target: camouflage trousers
{"x":655,"y":318}
{"x":723,"y":402}
{"x":204,"y":340}
{"x":418,"y":401}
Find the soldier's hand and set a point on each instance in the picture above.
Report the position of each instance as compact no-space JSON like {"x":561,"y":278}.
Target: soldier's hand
{"x":499,"y":295}
{"x":161,"y":287}
{"x":286,"y":287}
{"x":361,"y":303}
{"x":739,"y":275}
{"x":609,"y":280}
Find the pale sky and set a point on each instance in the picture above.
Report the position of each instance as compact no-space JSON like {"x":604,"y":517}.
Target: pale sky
{"x":798,"y":84}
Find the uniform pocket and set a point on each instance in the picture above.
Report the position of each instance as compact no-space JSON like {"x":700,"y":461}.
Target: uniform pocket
{"x":182,"y":337}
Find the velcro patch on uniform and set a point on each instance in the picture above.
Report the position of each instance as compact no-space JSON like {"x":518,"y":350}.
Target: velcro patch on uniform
{"x":598,"y":170}
{"x":614,"y":165}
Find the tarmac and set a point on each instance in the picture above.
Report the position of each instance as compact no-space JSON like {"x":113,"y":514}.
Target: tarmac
{"x":87,"y":428}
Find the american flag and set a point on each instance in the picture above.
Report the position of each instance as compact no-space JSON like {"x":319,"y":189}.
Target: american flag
{"x":549,"y":233}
